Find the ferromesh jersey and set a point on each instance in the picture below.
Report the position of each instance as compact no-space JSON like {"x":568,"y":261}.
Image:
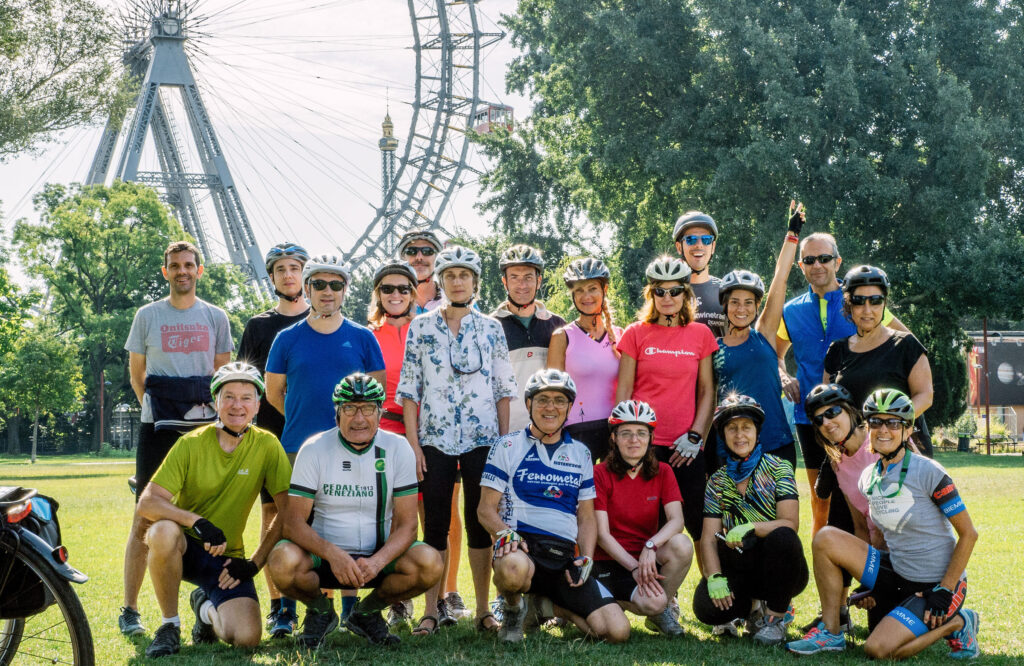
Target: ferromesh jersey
{"x":542,"y":484}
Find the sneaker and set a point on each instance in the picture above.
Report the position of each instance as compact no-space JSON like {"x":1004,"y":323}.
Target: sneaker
{"x":818,"y":639}
{"x":202,"y":632}
{"x":284,"y":623}
{"x":790,"y":615}
{"x":673,"y":607}
{"x":963,"y":644}
{"x":731,"y":628}
{"x":496,"y":607}
{"x":539,"y":611}
{"x":315,"y":628}
{"x":399,"y":614}
{"x":456,"y":606}
{"x":845,"y":626}
{"x":755,"y":618}
{"x":511,"y":630}
{"x":664,"y":623}
{"x":772,"y":631}
{"x":130,"y":622}
{"x":372,"y":627}
{"x":167,"y":640}
{"x":444,"y":616}
{"x":271,"y":619}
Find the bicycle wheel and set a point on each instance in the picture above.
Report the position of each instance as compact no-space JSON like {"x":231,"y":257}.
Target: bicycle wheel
{"x":59,"y":634}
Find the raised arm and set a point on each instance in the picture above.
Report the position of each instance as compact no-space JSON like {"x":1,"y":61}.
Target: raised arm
{"x":771,"y":316}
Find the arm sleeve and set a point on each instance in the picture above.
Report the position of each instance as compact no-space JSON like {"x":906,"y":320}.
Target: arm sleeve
{"x":712,"y":507}
{"x":669,"y":485}
{"x":503,"y":381}
{"x":245,"y":345}
{"x":602,"y":487}
{"x":279,"y":472}
{"x":277,"y":359}
{"x":587,"y":491}
{"x":224,"y":341}
{"x":373,"y":357}
{"x":496,"y":470}
{"x":943,"y":491}
{"x":171,"y":474}
{"x":305,"y":475}
{"x":628,"y":343}
{"x":913,"y":350}
{"x":709,"y":345}
{"x":405,"y":482}
{"x":785,"y":482}
{"x":136,"y":341}
{"x":410,"y":380}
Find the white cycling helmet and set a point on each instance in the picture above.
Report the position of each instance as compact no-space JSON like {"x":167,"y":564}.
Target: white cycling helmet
{"x":632,"y":411}
{"x":326,"y":263}
{"x":237,"y":371}
{"x":740,"y":279}
{"x":457,"y":256}
{"x":667,"y":269}
{"x":550,"y":379}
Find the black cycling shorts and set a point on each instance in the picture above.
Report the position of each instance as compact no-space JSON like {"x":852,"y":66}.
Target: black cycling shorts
{"x":551,"y":557}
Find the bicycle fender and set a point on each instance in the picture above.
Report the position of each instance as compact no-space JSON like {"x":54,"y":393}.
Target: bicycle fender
{"x":36,"y":543}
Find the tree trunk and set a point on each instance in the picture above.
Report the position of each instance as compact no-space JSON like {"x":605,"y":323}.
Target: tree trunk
{"x":97,"y":383}
{"x":13,"y":434}
{"x":35,"y":435}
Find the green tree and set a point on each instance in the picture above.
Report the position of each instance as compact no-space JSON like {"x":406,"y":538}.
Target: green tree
{"x":41,"y":375}
{"x":898,"y":125}
{"x":58,"y":69}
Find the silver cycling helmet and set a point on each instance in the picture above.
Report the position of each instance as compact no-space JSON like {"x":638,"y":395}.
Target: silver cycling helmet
{"x":457,"y":256}
{"x":586,"y":268}
{"x":693,"y":218}
{"x":550,"y":379}
{"x":740,"y":279}
{"x":521,"y":255}
{"x":667,"y":269}
{"x":285,"y":251}
{"x":326,"y":263}
{"x":237,"y":371}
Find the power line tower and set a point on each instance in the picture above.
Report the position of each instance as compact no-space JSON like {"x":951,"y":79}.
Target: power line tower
{"x":388,"y":145}
{"x":157,"y":57}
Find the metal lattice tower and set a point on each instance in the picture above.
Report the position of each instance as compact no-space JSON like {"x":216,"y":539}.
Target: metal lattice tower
{"x":447,"y":42}
{"x":388,"y":145}
{"x":159,"y":60}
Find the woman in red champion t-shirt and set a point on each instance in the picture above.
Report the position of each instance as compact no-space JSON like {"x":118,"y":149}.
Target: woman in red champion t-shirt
{"x":641,"y":558}
{"x":666,"y":362}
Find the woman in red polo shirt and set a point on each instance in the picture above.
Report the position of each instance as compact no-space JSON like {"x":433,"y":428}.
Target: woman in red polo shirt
{"x":391,"y":310}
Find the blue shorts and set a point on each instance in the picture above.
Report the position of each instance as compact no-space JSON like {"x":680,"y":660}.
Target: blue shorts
{"x":203,"y":570}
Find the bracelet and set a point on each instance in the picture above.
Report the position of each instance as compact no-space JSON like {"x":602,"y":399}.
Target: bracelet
{"x":792,"y":238}
{"x":634,"y":570}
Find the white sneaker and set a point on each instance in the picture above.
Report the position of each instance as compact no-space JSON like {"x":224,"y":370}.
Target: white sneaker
{"x":732,"y":628}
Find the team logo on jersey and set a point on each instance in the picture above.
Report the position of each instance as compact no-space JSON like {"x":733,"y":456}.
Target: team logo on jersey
{"x":561,"y":457}
{"x":346,"y":465}
{"x":379,"y":465}
{"x":243,"y":472}
{"x":554,"y":492}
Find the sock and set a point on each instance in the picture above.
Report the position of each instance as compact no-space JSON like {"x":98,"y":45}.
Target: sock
{"x":275,"y":605}
{"x":204,"y":612}
{"x":347,"y":603}
{"x":176,"y":621}
{"x":371,"y":603}
{"x":321,"y":604}
{"x":288,"y":604}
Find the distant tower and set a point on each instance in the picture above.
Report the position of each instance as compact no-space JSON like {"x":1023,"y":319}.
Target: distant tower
{"x":388,"y":145}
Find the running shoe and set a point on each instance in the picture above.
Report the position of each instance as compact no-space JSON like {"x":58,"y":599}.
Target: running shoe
{"x":399,"y":614}
{"x":845,"y":626}
{"x":372,"y":627}
{"x":284,"y":623}
{"x":755,"y":618}
{"x":444,"y":616}
{"x":130,"y":622}
{"x":772,"y":631}
{"x":271,"y":619}
{"x":664,"y":623}
{"x":731,"y":628}
{"x":456,"y":606}
{"x":511,"y":630}
{"x":166,"y":641}
{"x":818,"y":639}
{"x":788,"y":616}
{"x":202,"y":632}
{"x":963,"y":644}
{"x":315,"y":628}
{"x":496,"y":606}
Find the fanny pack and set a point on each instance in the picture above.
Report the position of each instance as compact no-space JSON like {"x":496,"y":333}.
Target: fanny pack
{"x":548,"y":552}
{"x":391,"y":416}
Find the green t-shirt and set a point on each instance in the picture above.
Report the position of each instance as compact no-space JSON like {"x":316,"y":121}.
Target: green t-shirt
{"x":222,"y":487}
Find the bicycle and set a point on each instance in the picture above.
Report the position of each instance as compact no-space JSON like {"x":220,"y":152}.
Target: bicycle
{"x":41,"y":617}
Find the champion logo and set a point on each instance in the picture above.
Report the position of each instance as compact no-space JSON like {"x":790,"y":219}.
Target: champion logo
{"x":243,"y":472}
{"x":654,"y":351}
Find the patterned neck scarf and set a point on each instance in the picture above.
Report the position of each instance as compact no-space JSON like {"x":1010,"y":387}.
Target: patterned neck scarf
{"x":739,"y":469}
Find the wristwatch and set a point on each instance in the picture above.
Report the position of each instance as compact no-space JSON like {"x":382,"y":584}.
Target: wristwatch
{"x":651,"y":546}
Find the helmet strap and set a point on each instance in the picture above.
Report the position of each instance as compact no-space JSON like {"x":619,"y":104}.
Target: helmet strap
{"x":595,"y":315}
{"x":895,"y":452}
{"x":545,"y":435}
{"x":520,"y":306}
{"x":220,"y":424}
{"x":464,"y":304}
{"x":404,"y":314}
{"x":285,"y":297}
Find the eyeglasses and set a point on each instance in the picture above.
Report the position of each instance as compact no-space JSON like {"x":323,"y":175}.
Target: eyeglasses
{"x":403,"y":289}
{"x":245,"y":400}
{"x":640,"y":435}
{"x":705,"y":239}
{"x":320,"y":285}
{"x":671,"y":291}
{"x":892,"y":424}
{"x":412,"y":251}
{"x":367,"y":409}
{"x":820,"y":258}
{"x":544,"y":402}
{"x":875,"y":299}
{"x":830,"y":413}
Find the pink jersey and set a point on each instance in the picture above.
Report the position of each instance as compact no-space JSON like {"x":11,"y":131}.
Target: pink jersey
{"x":595,"y":369}
{"x":848,"y":474}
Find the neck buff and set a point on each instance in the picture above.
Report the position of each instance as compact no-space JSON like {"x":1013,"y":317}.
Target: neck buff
{"x":738,"y":469}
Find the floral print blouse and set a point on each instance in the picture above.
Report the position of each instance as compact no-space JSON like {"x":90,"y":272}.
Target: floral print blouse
{"x":457,"y":380}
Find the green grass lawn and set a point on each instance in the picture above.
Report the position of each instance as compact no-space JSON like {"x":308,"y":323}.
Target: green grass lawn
{"x":96,"y":510}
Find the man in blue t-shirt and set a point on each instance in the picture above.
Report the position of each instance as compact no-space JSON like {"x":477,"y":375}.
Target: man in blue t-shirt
{"x":310,"y":357}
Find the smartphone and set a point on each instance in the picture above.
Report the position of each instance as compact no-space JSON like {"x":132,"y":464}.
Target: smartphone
{"x":854,"y":598}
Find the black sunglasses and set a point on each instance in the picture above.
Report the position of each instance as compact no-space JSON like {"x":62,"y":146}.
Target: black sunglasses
{"x":830,"y":413}
{"x":671,"y":291}
{"x":875,"y":299}
{"x":413,"y":251}
{"x":403,"y":289}
{"x":335,"y":285}
{"x":876,"y":422}
{"x":820,"y":258}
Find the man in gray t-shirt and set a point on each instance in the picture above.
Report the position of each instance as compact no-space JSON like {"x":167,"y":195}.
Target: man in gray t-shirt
{"x":174,"y":346}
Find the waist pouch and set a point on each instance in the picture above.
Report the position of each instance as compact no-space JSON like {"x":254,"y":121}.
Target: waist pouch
{"x":548,"y":552}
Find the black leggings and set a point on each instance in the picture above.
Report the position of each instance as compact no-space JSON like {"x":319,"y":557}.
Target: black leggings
{"x":774,"y":570}
{"x":437,"y":487}
{"x":691,"y":479}
{"x":154,"y":445}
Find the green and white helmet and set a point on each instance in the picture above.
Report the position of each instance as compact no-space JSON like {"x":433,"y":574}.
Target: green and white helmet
{"x":237,"y":371}
{"x":358,"y":387}
{"x":890,"y":401}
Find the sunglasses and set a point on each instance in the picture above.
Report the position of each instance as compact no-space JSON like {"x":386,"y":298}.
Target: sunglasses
{"x":820,"y":258}
{"x":830,"y":413}
{"x":413,"y":251}
{"x":403,"y":289}
{"x":875,"y":423}
{"x":320,"y":285}
{"x":671,"y":291}
{"x":705,"y":239}
{"x":876,"y":299}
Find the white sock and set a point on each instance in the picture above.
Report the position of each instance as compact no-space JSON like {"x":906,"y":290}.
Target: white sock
{"x":176,"y":621}
{"x":204,"y":612}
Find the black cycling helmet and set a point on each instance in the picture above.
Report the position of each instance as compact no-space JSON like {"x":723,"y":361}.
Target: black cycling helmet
{"x":586,"y":268}
{"x":740,"y":279}
{"x":863,"y":276}
{"x":693,"y":218}
{"x":734,"y":406}
{"x":825,"y":395}
{"x":395,"y":267}
{"x":358,"y":387}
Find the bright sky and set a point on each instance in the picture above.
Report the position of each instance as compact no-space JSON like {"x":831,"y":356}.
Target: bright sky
{"x":296,"y":90}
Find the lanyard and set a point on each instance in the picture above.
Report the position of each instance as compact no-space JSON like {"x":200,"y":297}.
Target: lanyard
{"x":877,"y":477}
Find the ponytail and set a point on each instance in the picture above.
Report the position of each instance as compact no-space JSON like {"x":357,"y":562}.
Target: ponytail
{"x":609,"y":328}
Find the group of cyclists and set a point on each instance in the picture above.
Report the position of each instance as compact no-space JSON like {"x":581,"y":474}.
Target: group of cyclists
{"x":584,"y":454}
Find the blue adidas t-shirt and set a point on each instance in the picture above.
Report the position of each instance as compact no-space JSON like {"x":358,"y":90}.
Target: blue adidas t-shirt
{"x":542,"y":484}
{"x":313,"y":364}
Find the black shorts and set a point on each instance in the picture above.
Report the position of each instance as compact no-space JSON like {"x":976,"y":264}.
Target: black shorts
{"x":812,"y":452}
{"x":266,"y":497}
{"x":328,"y":581}
{"x":692,"y":480}
{"x":616,"y":578}
{"x":203,"y":570}
{"x":152,"y":449}
{"x":596,"y":436}
{"x":549,"y":577}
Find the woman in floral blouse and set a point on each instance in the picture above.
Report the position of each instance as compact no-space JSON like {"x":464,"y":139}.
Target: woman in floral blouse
{"x":455,"y":390}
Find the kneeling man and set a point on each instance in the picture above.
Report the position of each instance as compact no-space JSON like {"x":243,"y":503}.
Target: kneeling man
{"x":360,"y":484}
{"x":545,"y":481}
{"x":199,"y":500}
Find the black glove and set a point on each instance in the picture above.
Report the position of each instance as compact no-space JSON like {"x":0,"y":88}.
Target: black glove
{"x":938,"y":600}
{"x":827,"y":482}
{"x":241,"y":569}
{"x":796,"y":221}
{"x":209,"y":533}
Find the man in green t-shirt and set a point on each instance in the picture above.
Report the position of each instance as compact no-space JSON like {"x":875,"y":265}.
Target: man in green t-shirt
{"x":198,"y":501}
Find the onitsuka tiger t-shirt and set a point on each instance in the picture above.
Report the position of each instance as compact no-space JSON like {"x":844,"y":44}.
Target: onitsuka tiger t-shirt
{"x":353,"y":491}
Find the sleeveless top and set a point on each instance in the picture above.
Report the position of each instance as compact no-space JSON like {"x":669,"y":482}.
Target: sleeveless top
{"x":593,"y":366}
